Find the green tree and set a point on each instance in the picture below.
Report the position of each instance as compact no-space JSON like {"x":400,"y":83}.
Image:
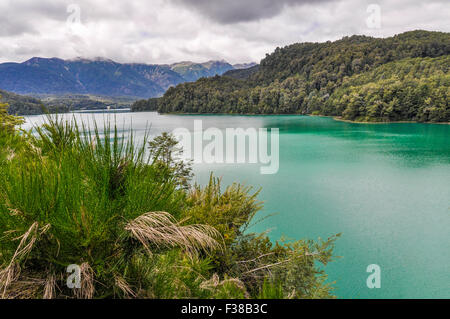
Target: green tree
{"x":8,"y":122}
{"x":166,"y":154}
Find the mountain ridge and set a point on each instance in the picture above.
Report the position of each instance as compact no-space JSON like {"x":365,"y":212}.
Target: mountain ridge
{"x":101,"y":76}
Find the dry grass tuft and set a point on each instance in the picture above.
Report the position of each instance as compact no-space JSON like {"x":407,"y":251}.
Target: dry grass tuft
{"x":161,"y":230}
{"x":10,"y":154}
{"x":12,"y":272}
{"x":124,"y":287}
{"x":87,"y":289}
{"x":25,"y":288}
{"x":7,"y":276}
{"x":215,"y":283}
{"x":50,"y":287}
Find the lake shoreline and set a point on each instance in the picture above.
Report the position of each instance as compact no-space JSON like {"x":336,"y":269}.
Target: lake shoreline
{"x":336,"y":118}
{"x":339,"y":119}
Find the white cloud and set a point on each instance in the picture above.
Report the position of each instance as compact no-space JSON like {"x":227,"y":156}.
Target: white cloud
{"x":159,"y":31}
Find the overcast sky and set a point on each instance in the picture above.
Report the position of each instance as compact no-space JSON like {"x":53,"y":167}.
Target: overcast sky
{"x":167,"y":31}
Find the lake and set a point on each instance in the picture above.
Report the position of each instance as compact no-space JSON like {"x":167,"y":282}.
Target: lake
{"x":385,"y":187}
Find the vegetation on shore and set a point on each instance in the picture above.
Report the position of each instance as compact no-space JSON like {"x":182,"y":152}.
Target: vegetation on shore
{"x":42,"y":104}
{"x":25,"y":105}
{"x":7,"y":121}
{"x":145,"y":105}
{"x":358,"y":78}
{"x":126,"y":213}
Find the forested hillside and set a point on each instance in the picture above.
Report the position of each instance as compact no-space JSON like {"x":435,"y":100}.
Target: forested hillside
{"x":414,"y":89}
{"x":29,"y":105}
{"x":26,"y":105}
{"x":360,"y":78}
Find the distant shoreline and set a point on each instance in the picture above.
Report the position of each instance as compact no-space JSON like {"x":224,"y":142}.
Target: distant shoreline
{"x":339,"y":119}
{"x":336,"y":118}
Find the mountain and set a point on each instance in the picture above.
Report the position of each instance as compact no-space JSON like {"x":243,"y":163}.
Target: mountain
{"x":191,"y":71}
{"x":401,"y":78}
{"x":82,"y":76}
{"x":101,"y":77}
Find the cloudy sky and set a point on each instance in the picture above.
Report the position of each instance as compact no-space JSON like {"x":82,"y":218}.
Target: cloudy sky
{"x":167,"y":31}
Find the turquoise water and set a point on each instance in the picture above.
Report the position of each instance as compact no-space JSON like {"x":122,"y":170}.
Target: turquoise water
{"x":385,"y":187}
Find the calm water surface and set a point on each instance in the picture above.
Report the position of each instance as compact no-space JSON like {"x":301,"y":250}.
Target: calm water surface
{"x":385,"y":187}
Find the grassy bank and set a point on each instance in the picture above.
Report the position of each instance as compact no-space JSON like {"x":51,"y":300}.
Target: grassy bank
{"x":127,"y":215}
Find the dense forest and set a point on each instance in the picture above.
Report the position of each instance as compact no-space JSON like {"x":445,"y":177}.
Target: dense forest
{"x":145,"y":105}
{"x":127,"y":215}
{"x":358,"y":78}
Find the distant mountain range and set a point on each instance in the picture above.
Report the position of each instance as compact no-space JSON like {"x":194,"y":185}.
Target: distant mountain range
{"x":42,"y":76}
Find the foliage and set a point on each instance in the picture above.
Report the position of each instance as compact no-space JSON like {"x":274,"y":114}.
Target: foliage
{"x":145,"y":105}
{"x":229,"y":211}
{"x":27,"y":105}
{"x":411,"y":89}
{"x":7,"y":122}
{"x":166,"y":156}
{"x":22,"y":105}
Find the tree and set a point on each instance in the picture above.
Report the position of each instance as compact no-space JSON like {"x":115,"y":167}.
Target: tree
{"x":166,"y":154}
{"x":8,"y":122}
